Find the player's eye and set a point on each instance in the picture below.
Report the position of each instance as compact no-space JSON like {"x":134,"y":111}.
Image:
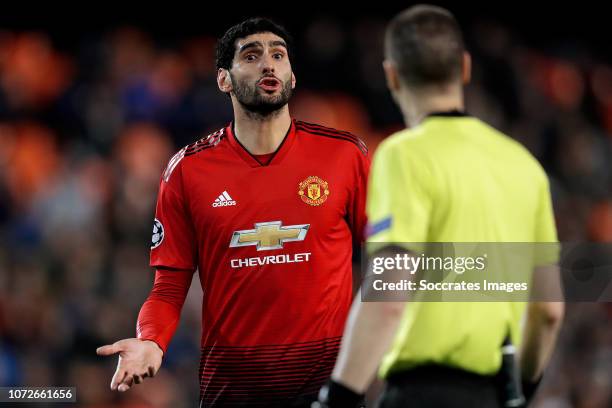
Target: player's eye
{"x":278,"y":55}
{"x":250,"y":57}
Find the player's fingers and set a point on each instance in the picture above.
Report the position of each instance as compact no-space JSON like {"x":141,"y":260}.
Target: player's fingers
{"x":151,"y":371}
{"x":118,"y":378}
{"x":123,"y":387}
{"x":108,"y":349}
{"x":137,"y":379}
{"x":126,"y":384}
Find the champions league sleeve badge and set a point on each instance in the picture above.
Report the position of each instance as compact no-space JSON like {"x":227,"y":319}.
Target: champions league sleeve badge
{"x":158,"y":234}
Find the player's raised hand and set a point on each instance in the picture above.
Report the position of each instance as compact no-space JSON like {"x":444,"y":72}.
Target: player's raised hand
{"x":138,"y":359}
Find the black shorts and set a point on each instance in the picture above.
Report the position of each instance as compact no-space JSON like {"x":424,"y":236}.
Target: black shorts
{"x":440,"y":387}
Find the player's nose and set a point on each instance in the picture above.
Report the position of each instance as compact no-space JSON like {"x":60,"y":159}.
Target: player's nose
{"x":267,"y":64}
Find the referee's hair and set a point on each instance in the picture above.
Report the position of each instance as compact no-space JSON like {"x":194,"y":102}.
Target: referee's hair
{"x":426,"y":44}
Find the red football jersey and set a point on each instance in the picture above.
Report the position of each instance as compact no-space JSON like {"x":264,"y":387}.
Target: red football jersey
{"x":273,"y":246}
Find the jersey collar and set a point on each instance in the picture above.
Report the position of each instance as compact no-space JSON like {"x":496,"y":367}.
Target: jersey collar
{"x":448,"y":114}
{"x":277,"y":156}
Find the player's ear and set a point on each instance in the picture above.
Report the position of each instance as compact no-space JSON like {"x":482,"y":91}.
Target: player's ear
{"x":293,"y":80}
{"x":224,"y":80}
{"x":392,"y":76}
{"x":466,"y":68}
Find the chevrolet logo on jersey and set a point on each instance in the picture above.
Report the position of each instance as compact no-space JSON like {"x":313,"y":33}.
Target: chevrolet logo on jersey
{"x":269,"y":235}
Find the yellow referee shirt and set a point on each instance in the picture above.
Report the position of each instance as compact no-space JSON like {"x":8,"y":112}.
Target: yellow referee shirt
{"x":453,"y":178}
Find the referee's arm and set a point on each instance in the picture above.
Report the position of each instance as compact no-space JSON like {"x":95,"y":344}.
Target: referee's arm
{"x":545,"y":312}
{"x":369,"y":331}
{"x":370,"y":328}
{"x":542,"y":324}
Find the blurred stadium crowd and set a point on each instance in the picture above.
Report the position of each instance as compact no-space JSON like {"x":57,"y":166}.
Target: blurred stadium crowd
{"x":85,"y":134}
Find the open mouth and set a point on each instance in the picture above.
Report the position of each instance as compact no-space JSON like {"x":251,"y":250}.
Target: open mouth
{"x":269,"y":84}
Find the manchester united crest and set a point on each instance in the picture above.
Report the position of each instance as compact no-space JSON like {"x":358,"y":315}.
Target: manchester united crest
{"x":313,"y":190}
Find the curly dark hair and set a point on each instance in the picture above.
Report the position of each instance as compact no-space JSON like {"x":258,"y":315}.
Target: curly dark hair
{"x":226,"y":46}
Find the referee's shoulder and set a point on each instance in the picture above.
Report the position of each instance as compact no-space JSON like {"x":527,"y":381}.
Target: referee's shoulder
{"x":521,"y":152}
{"x":400,"y":140}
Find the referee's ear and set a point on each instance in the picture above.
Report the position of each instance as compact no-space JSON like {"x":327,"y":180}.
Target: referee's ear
{"x":224,"y":81}
{"x":466,"y":68}
{"x":392,"y":76}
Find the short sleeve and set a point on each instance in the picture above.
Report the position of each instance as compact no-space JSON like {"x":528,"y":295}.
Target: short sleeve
{"x":545,"y":228}
{"x":398,"y":203}
{"x":173,"y":244}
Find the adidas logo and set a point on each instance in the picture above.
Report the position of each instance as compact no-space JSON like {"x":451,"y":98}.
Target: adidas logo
{"x":224,"y":200}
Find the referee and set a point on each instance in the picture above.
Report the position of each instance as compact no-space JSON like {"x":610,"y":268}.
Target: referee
{"x":449,"y":177}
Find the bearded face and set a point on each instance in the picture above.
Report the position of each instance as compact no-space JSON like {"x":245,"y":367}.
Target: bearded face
{"x":263,"y":96}
{"x":260,"y":78}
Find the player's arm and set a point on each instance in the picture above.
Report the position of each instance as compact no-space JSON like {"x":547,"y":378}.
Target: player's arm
{"x":173,"y":254}
{"x":141,"y":357}
{"x":160,"y":314}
